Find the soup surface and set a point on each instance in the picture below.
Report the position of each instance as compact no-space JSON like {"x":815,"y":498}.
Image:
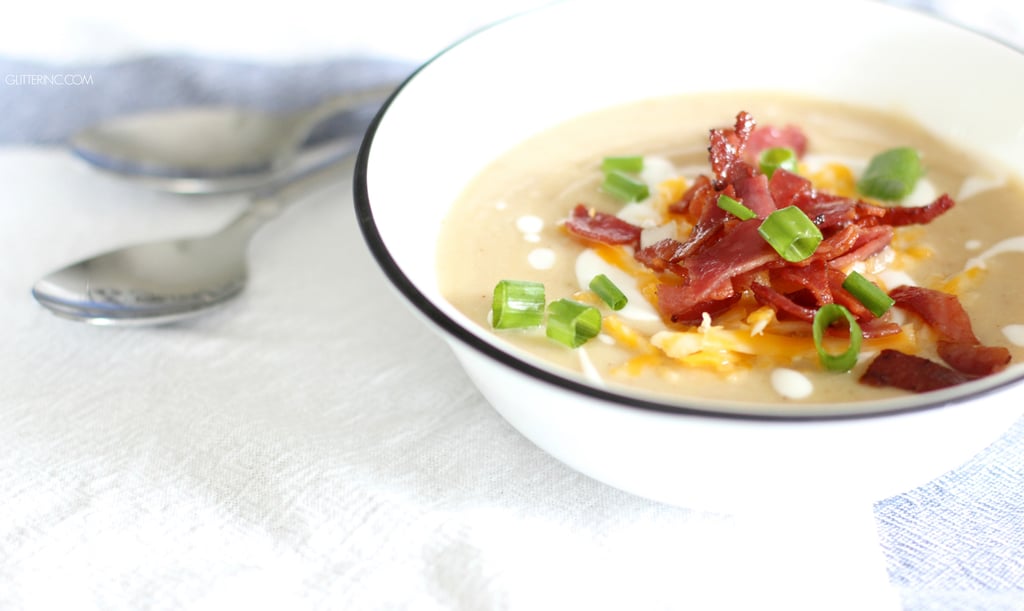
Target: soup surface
{"x":510,"y":225}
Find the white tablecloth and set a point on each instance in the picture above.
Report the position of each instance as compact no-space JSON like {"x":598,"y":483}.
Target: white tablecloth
{"x":313,"y":445}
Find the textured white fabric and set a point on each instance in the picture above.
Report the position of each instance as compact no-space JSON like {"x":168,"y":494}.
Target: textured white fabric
{"x":314,"y":446}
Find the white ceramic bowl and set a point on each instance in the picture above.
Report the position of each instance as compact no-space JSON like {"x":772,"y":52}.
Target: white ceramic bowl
{"x":488,"y":92}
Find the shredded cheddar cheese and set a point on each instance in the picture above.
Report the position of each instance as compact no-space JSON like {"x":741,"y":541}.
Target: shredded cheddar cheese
{"x":835,"y":178}
{"x":669,"y":192}
{"x":587,"y":297}
{"x":759,"y":319}
{"x":956,"y":283}
{"x":626,"y":335}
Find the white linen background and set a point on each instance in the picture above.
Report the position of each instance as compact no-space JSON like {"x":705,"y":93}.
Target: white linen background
{"x":313,"y":445}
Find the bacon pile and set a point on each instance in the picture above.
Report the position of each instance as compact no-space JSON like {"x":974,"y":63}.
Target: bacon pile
{"x":723,"y":257}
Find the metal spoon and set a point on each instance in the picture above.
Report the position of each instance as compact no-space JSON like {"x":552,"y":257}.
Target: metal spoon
{"x":166,"y":281}
{"x":220,"y":149}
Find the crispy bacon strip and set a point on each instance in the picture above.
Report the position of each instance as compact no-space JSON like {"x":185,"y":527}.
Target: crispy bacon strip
{"x":940,"y":311}
{"x":695,"y":314}
{"x":754,"y":193}
{"x":765,"y":137}
{"x":958,"y":345}
{"x":601,"y":227}
{"x":879,"y":327}
{"x":709,"y":224}
{"x":917,"y":215}
{"x":870,"y":242}
{"x":844,"y":298}
{"x":789,"y":189}
{"x":908,"y":372}
{"x":726,"y":151}
{"x":663,"y":256}
{"x":783,"y":305}
{"x":812,"y":278}
{"x":836,"y":245}
{"x":829,"y":212}
{"x":974,"y":359}
{"x":711,"y":270}
{"x":696,"y":198}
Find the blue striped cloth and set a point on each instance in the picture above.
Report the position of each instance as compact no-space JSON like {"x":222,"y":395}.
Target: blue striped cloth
{"x":958,"y":542}
{"x":71,"y":97}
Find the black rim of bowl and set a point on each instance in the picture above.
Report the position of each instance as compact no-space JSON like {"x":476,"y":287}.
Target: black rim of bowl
{"x":380,"y":252}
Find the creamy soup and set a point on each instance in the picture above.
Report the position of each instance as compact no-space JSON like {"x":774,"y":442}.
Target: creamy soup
{"x":509,"y":225}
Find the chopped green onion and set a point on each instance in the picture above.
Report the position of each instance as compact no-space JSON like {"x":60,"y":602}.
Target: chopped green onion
{"x":572,"y":323}
{"x":608,"y":292}
{"x":823,"y":319}
{"x":778,"y":157}
{"x":517,"y":304}
{"x":624,"y":186}
{"x":891,"y":175}
{"x":794,"y":236}
{"x":868,"y":293}
{"x":631,"y":163}
{"x":735,"y":208}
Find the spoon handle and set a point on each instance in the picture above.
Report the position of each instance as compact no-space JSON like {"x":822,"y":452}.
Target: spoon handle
{"x":305,"y":122}
{"x":268,"y":202}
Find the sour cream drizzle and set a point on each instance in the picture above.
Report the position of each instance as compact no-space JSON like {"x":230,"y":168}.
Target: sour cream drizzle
{"x":974,"y":185}
{"x":541,"y":258}
{"x":791,"y":384}
{"x":923,"y":194}
{"x":1014,"y":244}
{"x":590,"y":264}
{"x":530,"y":226}
{"x":587,"y":366}
{"x":1014,"y":333}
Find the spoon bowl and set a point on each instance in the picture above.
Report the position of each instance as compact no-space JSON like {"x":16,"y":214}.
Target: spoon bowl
{"x":121,"y":287}
{"x":163,"y":282}
{"x":209,"y":150}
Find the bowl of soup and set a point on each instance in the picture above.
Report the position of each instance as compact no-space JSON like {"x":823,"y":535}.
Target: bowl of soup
{"x":717,"y":255}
